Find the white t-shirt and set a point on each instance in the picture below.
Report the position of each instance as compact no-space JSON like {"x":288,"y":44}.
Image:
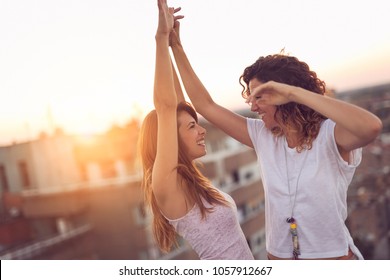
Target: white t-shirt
{"x":316,"y":195}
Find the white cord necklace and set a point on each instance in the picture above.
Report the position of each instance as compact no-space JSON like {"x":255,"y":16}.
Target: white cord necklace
{"x":291,"y":220}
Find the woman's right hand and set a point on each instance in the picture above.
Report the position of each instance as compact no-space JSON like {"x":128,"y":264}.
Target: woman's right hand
{"x":174,"y":36}
{"x":166,"y":18}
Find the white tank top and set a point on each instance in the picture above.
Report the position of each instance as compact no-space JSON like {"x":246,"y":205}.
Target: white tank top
{"x":219,"y":236}
{"x":318,"y":179}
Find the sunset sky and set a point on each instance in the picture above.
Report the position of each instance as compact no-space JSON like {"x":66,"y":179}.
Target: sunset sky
{"x":84,"y":65}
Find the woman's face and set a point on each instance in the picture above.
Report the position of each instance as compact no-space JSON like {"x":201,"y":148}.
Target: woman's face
{"x":192,"y":135}
{"x":265,"y":112}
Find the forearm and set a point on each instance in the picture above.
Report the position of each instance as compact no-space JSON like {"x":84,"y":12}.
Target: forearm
{"x":359,"y":122}
{"x":178,"y":89}
{"x":164,"y":91}
{"x":195,"y":89}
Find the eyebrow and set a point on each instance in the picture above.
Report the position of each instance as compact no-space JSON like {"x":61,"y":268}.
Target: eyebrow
{"x":191,"y":123}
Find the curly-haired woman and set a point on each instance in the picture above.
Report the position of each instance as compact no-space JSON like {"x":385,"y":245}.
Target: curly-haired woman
{"x":308,"y":146}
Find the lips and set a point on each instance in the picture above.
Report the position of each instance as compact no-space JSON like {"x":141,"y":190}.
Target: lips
{"x":201,"y":142}
{"x":261,"y":115}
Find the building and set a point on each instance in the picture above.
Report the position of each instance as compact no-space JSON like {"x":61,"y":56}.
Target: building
{"x":68,"y":197}
{"x":96,"y":210}
{"x":369,"y":192}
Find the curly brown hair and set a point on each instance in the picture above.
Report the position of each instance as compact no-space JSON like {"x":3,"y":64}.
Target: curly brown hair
{"x":289,"y":70}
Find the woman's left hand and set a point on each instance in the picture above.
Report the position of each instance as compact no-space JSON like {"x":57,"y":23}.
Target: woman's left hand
{"x":271,"y":93}
{"x":166,"y":17}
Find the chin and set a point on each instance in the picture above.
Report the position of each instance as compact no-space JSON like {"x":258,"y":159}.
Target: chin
{"x":202,"y":154}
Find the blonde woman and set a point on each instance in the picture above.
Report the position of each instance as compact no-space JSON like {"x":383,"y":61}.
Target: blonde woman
{"x":182,"y":200}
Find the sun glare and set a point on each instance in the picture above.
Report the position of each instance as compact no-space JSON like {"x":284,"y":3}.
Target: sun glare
{"x":88,"y":114}
{"x":68,"y":68}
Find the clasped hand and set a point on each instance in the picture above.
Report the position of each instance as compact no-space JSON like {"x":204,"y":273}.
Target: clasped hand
{"x":166,"y":17}
{"x":270,"y":93}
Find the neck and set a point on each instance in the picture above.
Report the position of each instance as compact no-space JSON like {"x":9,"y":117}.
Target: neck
{"x":292,"y":139}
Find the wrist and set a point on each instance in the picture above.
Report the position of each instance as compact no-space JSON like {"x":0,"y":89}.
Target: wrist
{"x":299,"y":95}
{"x":161,"y":36}
{"x":177,"y":47}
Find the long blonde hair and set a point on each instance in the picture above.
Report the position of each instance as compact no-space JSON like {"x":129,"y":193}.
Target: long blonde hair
{"x":198,"y":187}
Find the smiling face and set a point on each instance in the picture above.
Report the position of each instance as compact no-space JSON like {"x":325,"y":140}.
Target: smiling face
{"x":191,"y":135}
{"x":266,"y":112}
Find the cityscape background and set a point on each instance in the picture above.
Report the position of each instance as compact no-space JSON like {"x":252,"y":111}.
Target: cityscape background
{"x":77,"y":78}
{"x":85,"y":65}
{"x":72,"y":197}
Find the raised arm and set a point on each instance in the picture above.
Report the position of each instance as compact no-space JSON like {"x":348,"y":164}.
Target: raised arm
{"x":178,"y":89}
{"x":164,"y":175}
{"x":355,"y":126}
{"x":231,"y":123}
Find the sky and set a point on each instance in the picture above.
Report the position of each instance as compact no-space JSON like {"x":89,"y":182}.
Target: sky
{"x":85,"y":65}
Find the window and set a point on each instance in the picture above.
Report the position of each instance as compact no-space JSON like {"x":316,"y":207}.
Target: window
{"x":257,"y":241}
{"x":3,"y":180}
{"x":23,"y":171}
{"x":236,"y":176}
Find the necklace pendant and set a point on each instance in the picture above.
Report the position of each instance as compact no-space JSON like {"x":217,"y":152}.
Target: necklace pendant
{"x":294,"y":235}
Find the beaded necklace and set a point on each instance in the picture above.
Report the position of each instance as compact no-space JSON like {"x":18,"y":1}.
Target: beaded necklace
{"x":291,"y":220}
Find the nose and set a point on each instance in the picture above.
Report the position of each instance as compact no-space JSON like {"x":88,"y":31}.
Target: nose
{"x":251,"y":103}
{"x":202,"y":130}
{"x":254,"y":106}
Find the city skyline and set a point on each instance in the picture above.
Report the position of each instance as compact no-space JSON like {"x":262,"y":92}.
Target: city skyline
{"x":86,"y":65}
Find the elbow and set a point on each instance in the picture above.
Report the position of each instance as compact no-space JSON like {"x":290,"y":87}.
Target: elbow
{"x":375,"y":129}
{"x":164,"y":106}
{"x":162,"y":103}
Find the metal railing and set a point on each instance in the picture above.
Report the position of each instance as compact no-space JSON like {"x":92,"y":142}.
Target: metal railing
{"x":29,"y":251}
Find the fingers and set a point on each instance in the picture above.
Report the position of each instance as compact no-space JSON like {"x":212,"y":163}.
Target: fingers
{"x":161,"y":3}
{"x":171,"y":11}
{"x":249,"y":101}
{"x":168,"y":19}
{"x":255,"y":99}
{"x":261,"y":94}
{"x":176,"y":25}
{"x":178,"y":17}
{"x":256,"y":93}
{"x":175,"y":10}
